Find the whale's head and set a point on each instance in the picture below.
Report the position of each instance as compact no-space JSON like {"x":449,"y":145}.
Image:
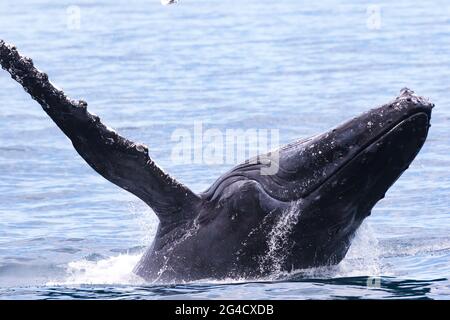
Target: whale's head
{"x":338,"y":176}
{"x":328,"y":183}
{"x":363,"y":156}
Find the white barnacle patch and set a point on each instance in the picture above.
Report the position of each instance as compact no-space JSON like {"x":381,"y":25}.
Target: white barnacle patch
{"x":139,"y":147}
{"x":277,"y":253}
{"x":369,"y":124}
{"x":83,"y":104}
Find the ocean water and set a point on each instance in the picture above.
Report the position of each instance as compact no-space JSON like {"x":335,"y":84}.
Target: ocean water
{"x":148,"y":69}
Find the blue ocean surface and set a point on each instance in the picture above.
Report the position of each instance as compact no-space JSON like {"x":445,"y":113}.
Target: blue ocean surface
{"x":148,"y":70}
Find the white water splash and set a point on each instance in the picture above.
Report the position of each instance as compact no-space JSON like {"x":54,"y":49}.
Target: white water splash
{"x":364,"y":256}
{"x":189,"y":233}
{"x":278,"y":239}
{"x":363,"y":259}
{"x":113,"y":270}
{"x":146,"y":220}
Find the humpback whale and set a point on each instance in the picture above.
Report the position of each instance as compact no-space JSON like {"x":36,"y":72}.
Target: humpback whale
{"x":248,"y":224}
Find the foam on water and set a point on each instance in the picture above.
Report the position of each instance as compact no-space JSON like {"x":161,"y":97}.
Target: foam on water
{"x":363,"y":259}
{"x":278,"y":238}
{"x":113,"y":270}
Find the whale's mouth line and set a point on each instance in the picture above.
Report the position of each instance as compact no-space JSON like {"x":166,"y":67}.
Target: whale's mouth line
{"x":371,"y":142}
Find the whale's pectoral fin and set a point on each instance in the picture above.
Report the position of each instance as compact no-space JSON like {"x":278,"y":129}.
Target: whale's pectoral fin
{"x":117,"y":159}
